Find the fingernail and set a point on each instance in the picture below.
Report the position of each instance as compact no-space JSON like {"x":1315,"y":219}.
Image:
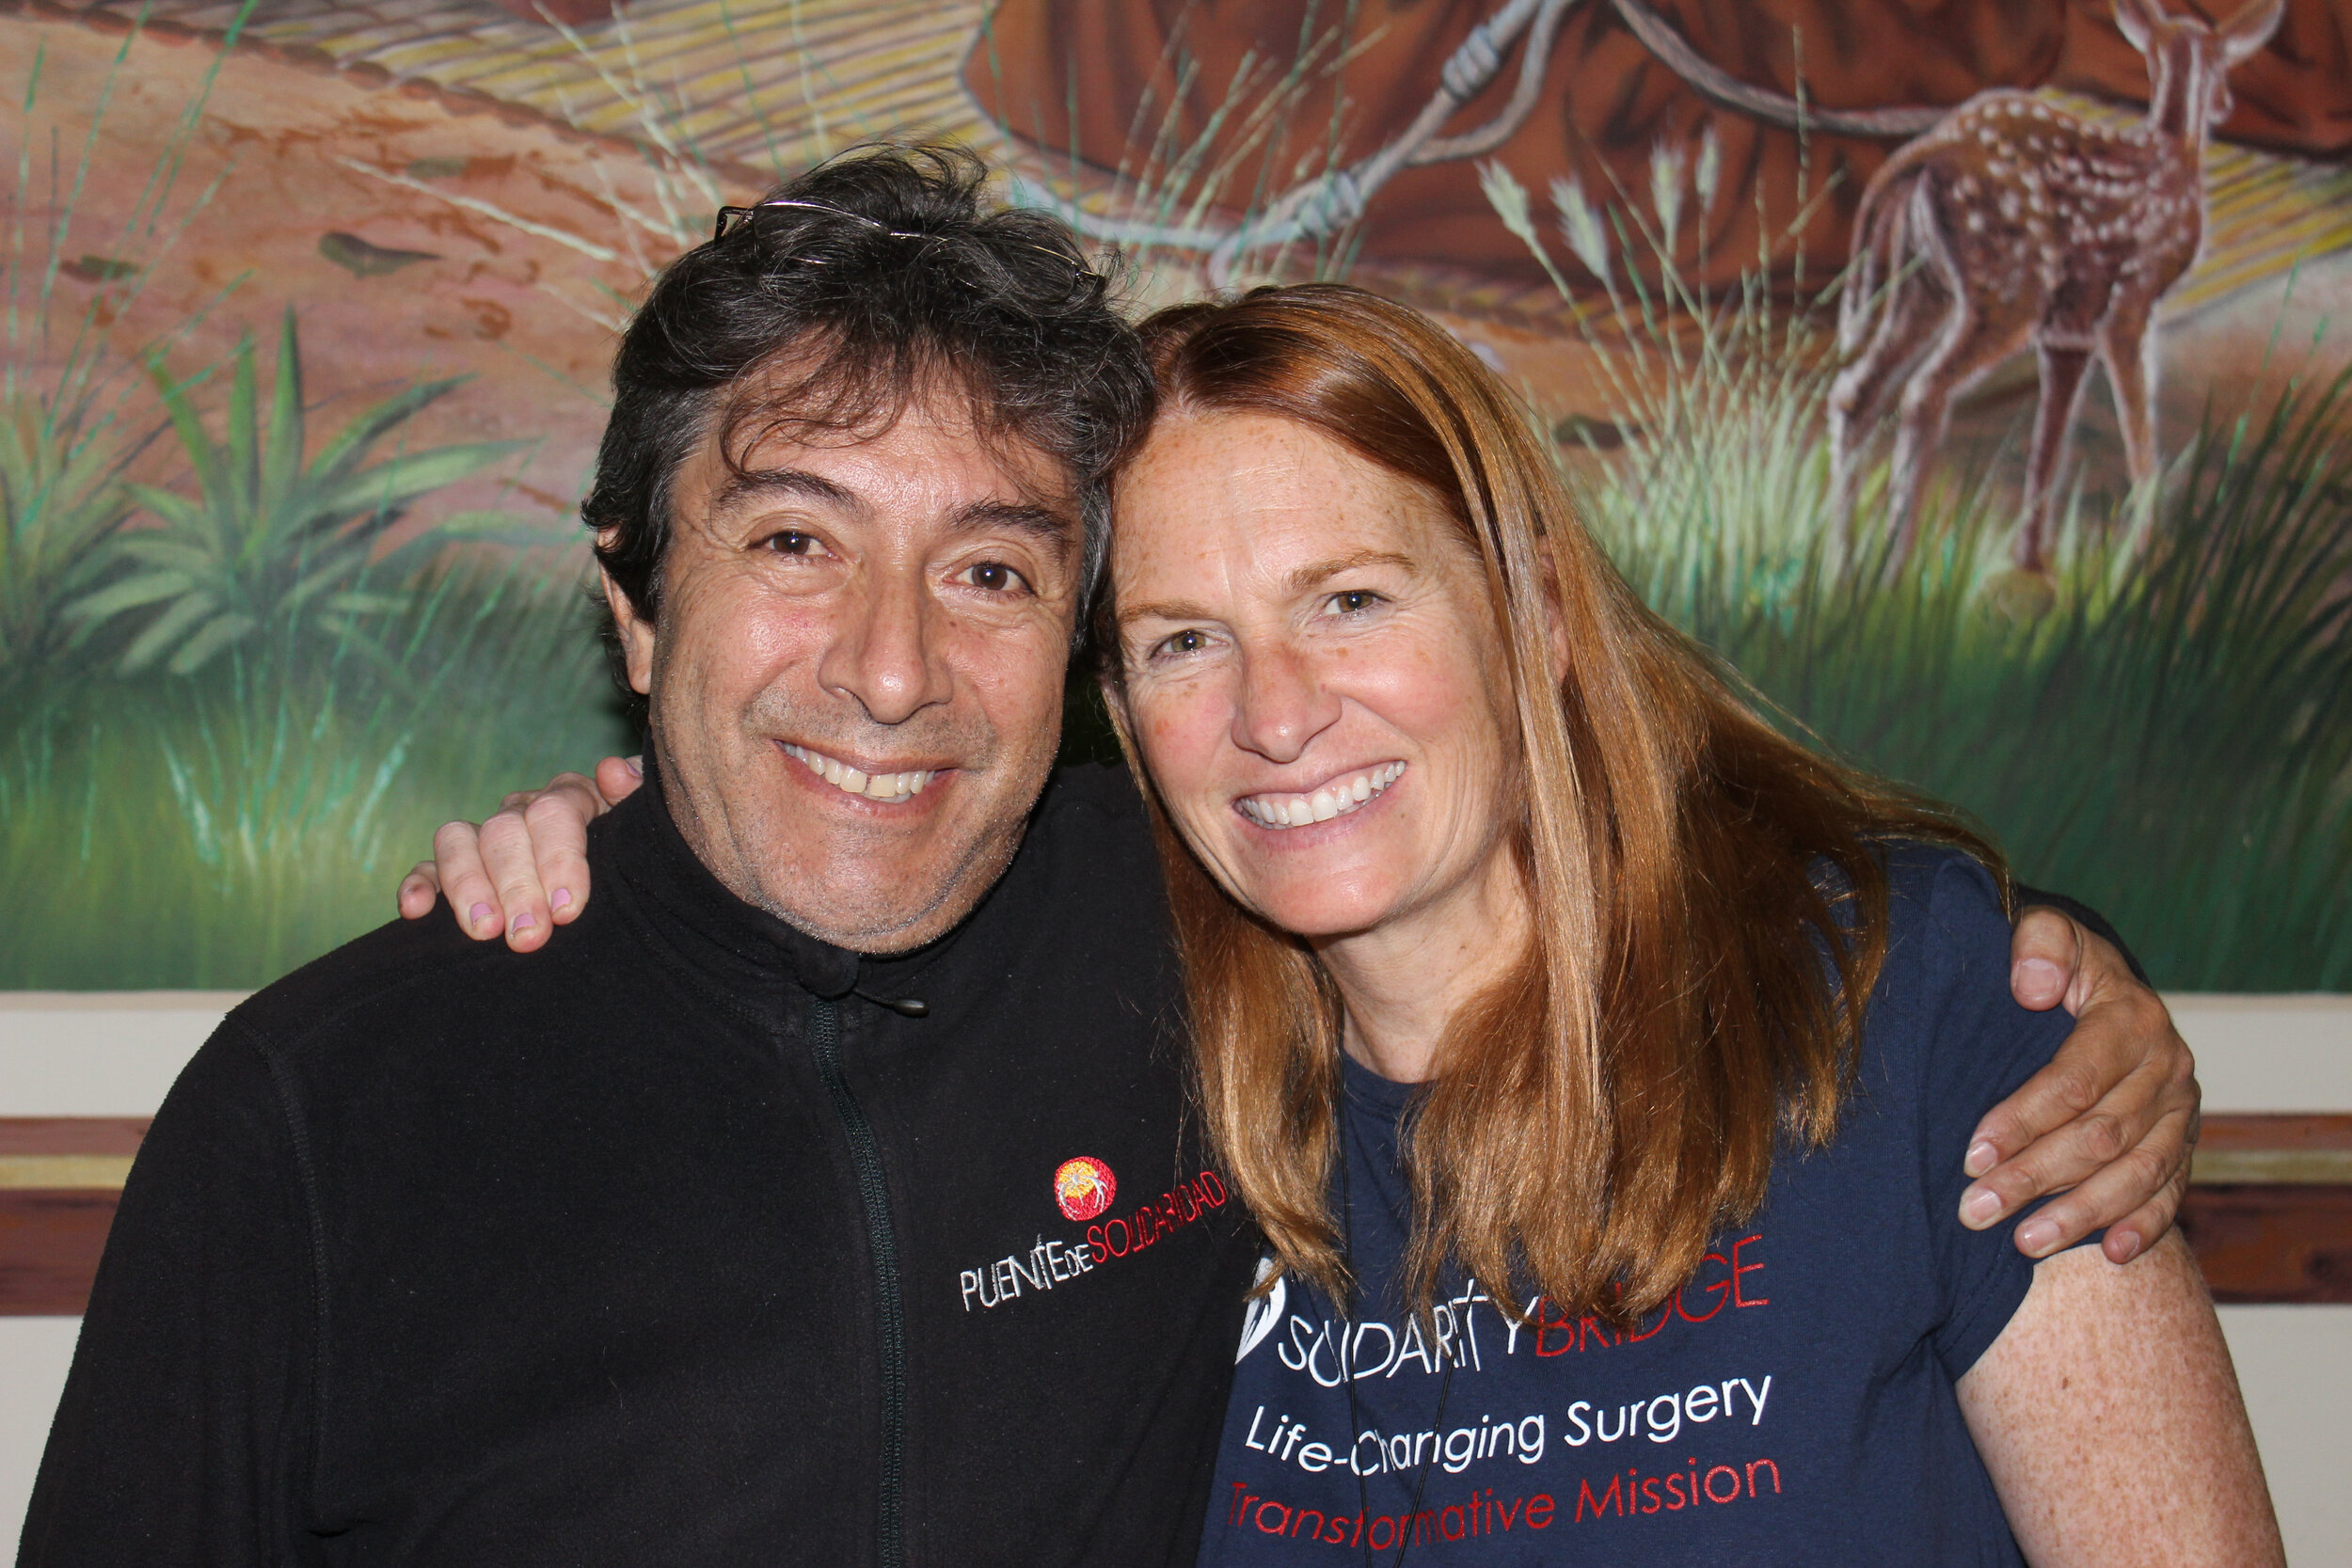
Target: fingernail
{"x":1982,"y":1157}
{"x":2127,"y":1242}
{"x":477,"y":915}
{"x":1982,"y":1207}
{"x":524,"y":922}
{"x":2039,"y":978}
{"x":2038,"y":1236}
{"x":562,"y":896}
{"x":636,"y":766}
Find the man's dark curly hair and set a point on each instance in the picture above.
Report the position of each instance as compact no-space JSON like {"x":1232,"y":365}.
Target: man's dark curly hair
{"x":884,"y":273}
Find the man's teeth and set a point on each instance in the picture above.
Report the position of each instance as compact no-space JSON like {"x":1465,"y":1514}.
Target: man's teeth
{"x":1333,"y":799}
{"x":878,"y":786}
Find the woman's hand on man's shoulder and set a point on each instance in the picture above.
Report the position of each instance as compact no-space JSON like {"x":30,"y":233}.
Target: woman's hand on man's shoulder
{"x":524,"y":870}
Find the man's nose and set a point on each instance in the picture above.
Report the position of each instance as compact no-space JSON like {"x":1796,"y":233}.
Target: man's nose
{"x":1284,"y":704}
{"x":888,"y":654}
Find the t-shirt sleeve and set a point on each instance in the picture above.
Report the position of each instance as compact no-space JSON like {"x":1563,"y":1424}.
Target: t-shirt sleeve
{"x":1948,"y":948}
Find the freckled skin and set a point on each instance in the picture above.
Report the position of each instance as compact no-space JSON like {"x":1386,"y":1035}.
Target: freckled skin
{"x":887,"y":630}
{"x":1250,"y":670}
{"x":2110,"y":1420}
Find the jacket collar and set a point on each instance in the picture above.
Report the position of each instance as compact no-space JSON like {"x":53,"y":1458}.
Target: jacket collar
{"x":641,"y":847}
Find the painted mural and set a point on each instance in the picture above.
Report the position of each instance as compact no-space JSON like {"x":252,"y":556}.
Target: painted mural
{"x":1966,"y":372}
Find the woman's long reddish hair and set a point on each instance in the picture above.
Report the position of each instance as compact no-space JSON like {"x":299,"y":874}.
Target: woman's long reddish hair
{"x":1710,"y":906}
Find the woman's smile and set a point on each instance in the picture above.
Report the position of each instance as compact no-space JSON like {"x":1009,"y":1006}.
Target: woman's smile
{"x":1311,"y":677}
{"x":1339,"y":797}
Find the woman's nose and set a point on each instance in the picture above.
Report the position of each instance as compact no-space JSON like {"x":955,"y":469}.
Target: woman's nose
{"x":1284,"y":705}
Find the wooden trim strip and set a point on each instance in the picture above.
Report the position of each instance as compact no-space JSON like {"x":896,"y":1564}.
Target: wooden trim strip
{"x":94,"y":1172}
{"x":2241,"y":1130}
{"x":2275,"y":1150}
{"x":2272,"y":1244}
{"x":42,"y":1136}
{"x":2277,"y":1239}
{"x":49,"y":1243}
{"x":2300,"y":1167}
{"x":68,"y":1153}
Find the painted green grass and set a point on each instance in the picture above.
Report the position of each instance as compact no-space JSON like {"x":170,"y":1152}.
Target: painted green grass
{"x":229,"y":716}
{"x":2169,"y":739}
{"x":2163,"y":728}
{"x":216,"y":830}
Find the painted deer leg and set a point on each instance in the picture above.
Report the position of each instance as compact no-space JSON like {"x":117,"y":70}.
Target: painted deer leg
{"x":1970,"y":345}
{"x":2062,"y":371}
{"x":1858,"y":398}
{"x":1848,"y":436}
{"x":2129,"y":351}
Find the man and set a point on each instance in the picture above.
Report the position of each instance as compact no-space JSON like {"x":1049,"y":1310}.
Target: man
{"x":824,"y":1195}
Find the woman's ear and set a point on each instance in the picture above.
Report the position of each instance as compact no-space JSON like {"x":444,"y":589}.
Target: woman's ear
{"x":1122,"y":724}
{"x":1555,"y":623}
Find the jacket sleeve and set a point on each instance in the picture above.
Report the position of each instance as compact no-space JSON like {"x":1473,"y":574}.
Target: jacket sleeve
{"x":184,"y":1428}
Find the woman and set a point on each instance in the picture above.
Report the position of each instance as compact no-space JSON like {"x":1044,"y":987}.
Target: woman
{"x":1593,"y":1058}
{"x":1548,"y":1005}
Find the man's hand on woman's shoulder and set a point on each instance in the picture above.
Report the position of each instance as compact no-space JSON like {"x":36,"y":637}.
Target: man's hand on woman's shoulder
{"x":2109,"y":1124}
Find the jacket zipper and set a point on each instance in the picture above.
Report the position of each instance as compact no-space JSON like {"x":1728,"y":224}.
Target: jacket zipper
{"x":824,"y":1038}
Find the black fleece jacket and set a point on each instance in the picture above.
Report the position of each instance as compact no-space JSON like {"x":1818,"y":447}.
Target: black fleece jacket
{"x":671,"y":1245}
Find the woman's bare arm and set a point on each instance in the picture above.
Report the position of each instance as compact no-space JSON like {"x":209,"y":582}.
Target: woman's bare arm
{"x":2110,"y":1420}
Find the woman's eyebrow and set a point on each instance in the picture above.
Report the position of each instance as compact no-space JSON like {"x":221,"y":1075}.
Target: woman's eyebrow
{"x":1164,"y":609}
{"x":1302,"y":579}
{"x":1307,"y":577}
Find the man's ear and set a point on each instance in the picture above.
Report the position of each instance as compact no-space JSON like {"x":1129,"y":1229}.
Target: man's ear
{"x":636,"y":634}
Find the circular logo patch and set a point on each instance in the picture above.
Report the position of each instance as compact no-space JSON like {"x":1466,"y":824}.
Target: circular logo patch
{"x":1084,"y":1187}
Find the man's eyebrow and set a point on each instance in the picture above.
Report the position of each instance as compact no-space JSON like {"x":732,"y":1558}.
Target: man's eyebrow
{"x":1307,"y":577}
{"x":746,"y":484}
{"x":1056,"y":530}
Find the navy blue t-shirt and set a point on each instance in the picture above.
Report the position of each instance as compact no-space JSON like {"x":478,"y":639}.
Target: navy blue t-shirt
{"x":1794,"y":1404}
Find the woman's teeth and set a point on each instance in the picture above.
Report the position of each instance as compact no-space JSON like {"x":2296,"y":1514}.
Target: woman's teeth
{"x":1333,"y":799}
{"x":877,"y":787}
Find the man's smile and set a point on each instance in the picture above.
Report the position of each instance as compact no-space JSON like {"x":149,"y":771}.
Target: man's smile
{"x":887,"y":787}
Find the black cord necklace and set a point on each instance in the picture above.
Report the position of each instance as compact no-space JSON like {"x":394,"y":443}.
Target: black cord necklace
{"x":1347,"y":1355}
